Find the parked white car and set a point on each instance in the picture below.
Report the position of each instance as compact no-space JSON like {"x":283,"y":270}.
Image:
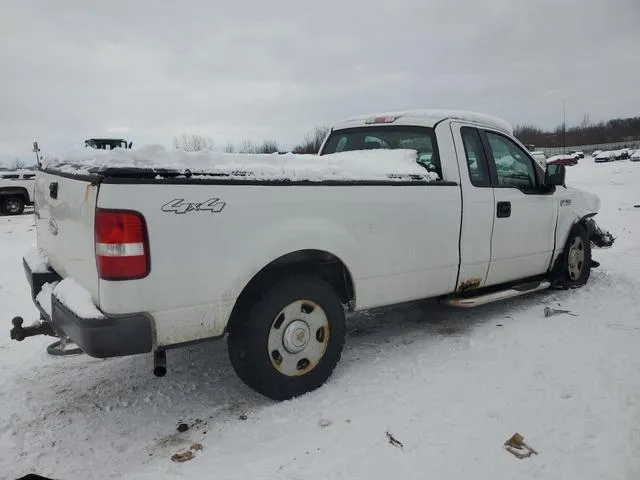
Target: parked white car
{"x":635,"y":157}
{"x":141,"y":251}
{"x":606,"y":156}
{"x":16,"y":191}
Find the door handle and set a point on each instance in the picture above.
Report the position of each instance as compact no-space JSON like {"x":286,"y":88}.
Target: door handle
{"x":53,"y":190}
{"x":503,"y":209}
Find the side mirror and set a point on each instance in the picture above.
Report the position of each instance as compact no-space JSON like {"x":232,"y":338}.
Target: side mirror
{"x":555,"y":175}
{"x":130,"y":144}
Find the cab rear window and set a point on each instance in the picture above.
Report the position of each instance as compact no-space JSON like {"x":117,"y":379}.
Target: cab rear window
{"x":420,"y":139}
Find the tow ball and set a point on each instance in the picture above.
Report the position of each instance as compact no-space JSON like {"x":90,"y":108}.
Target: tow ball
{"x":19,"y":333}
{"x":57,"y":348}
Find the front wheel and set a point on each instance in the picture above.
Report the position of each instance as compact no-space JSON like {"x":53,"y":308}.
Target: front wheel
{"x":575,"y":266}
{"x":289,"y":341}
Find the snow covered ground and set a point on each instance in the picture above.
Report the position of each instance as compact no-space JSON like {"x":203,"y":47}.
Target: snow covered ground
{"x":450,"y":385}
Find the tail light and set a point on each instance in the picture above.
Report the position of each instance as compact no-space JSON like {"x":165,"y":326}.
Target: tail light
{"x":122,"y":245}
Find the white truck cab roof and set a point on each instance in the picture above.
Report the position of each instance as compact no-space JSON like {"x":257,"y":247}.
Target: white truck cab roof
{"x":424,"y":117}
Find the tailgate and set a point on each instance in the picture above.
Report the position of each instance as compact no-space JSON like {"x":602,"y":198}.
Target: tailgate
{"x":65,"y":212}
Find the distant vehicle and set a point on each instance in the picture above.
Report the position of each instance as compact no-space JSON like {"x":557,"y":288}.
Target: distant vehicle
{"x":107,"y":143}
{"x":577,"y":152}
{"x":625,"y":153}
{"x":566,"y":160}
{"x":606,"y":156}
{"x":636,"y":156}
{"x":16,"y":191}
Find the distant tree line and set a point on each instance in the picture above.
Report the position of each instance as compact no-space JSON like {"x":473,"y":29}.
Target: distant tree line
{"x":199,"y":143}
{"x":587,"y":133}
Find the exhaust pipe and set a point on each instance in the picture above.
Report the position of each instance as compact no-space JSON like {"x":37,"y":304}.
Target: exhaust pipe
{"x":160,"y":363}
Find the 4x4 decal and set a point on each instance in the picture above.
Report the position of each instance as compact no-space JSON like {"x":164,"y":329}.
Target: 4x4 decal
{"x":179,"y":206}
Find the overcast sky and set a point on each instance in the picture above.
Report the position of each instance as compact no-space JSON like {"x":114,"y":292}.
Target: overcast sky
{"x":149,"y":70}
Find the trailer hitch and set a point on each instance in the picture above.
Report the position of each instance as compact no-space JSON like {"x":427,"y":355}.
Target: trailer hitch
{"x":19,"y":333}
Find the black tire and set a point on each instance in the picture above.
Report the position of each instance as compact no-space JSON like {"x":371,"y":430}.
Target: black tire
{"x":12,"y":205}
{"x":574,"y":271}
{"x":249,"y":337}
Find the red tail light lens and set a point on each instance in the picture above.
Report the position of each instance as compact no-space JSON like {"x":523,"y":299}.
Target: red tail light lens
{"x":122,"y":245}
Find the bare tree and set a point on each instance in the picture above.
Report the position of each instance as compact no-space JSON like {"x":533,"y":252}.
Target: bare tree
{"x":17,"y":164}
{"x":247,"y":146}
{"x":229,"y":148}
{"x":313,"y":141}
{"x":268,"y":146}
{"x":193,"y":143}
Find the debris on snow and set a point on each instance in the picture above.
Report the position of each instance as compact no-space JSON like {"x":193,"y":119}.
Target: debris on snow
{"x":518,"y":447}
{"x":243,"y":417}
{"x":325,"y":422}
{"x":183,"y":427}
{"x":549,"y":312}
{"x":394,"y":441}
{"x":182,"y":456}
{"x":617,"y":326}
{"x":187,"y":455}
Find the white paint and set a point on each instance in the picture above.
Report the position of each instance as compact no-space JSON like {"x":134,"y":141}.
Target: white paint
{"x":429,"y":117}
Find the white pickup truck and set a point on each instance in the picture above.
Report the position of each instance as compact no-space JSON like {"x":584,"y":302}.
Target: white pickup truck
{"x":16,"y":191}
{"x":141,"y":251}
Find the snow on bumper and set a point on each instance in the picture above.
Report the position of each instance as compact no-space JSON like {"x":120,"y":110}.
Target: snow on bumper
{"x":70,"y":311}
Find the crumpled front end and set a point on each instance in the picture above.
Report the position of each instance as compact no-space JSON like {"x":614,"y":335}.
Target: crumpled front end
{"x":599,"y":237}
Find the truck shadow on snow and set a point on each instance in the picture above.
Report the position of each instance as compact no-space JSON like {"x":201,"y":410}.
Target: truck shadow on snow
{"x":201,"y":374}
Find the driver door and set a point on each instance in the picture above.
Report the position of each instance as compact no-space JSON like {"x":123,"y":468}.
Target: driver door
{"x":525,"y":212}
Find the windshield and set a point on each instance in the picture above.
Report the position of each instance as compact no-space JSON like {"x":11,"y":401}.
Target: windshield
{"x":421,"y":139}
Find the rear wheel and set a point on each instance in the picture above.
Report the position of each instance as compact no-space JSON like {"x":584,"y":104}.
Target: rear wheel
{"x":289,"y":341}
{"x":12,"y":205}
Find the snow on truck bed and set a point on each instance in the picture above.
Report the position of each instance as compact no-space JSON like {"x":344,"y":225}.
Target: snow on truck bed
{"x":379,"y":165}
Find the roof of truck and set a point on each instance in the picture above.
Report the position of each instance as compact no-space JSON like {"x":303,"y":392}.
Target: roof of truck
{"x":425,"y":117}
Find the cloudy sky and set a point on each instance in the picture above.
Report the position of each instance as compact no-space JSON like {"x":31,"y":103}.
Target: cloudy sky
{"x":152,"y":69}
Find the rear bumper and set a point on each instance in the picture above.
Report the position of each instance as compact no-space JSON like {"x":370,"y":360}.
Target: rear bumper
{"x":109,"y":336}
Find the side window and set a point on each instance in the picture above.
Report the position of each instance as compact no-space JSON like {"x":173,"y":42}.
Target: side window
{"x":513,"y":166}
{"x":476,"y":160}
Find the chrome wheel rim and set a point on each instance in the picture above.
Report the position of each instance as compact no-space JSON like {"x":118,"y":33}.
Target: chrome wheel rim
{"x":298,"y":338}
{"x":576,"y":258}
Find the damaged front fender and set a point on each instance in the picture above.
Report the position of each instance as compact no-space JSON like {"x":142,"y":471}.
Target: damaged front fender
{"x":599,"y":237}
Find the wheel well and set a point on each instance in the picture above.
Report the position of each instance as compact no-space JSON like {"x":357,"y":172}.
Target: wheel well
{"x":15,"y":192}
{"x":316,"y":262}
